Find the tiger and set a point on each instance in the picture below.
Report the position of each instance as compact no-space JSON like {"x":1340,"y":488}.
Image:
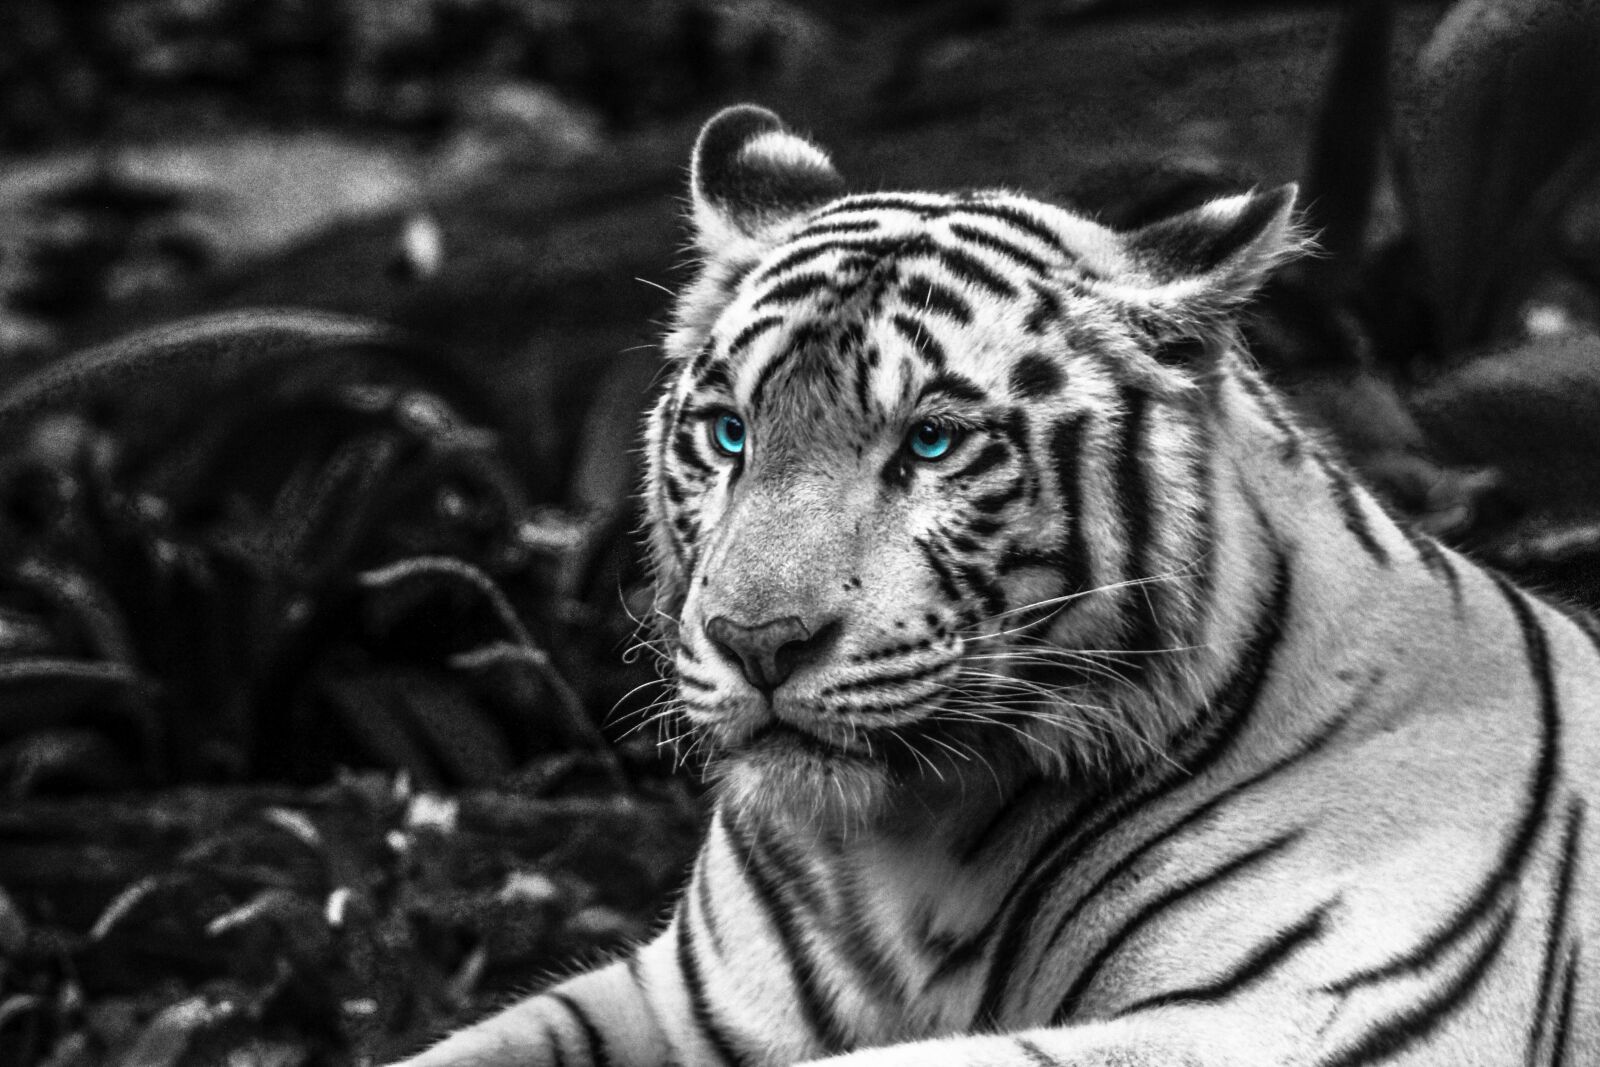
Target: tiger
{"x":1065,"y":700}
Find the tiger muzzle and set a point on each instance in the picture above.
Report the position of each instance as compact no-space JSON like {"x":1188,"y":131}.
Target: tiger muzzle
{"x":768,"y":653}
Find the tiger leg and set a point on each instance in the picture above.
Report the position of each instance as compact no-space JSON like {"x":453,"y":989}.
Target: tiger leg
{"x":1171,"y":1038}
{"x":603,"y":1018}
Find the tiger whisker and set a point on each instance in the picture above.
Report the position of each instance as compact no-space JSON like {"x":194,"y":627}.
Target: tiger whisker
{"x":1067,"y":598}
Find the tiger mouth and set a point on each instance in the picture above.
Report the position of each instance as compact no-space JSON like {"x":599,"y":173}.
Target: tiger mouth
{"x":778,"y":737}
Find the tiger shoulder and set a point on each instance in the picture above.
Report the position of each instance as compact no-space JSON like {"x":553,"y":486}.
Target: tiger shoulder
{"x":1066,"y":701}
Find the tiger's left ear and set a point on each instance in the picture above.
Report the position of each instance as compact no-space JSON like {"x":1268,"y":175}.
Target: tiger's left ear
{"x":749,"y":173}
{"x":1204,"y":263}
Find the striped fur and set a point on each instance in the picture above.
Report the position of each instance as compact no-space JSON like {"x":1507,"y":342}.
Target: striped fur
{"x":1131,"y":732}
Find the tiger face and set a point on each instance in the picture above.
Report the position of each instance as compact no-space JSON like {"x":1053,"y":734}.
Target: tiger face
{"x":928,"y":487}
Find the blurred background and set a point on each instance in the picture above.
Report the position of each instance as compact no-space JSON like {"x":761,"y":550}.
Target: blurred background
{"x":325,"y":330}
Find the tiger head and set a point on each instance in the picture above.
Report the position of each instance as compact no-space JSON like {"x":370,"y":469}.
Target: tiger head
{"x":930,"y":490}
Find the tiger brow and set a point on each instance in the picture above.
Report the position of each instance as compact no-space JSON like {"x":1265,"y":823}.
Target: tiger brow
{"x":953,"y":386}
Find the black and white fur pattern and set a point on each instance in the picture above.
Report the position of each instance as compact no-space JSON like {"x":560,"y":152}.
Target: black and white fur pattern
{"x":1132,"y":731}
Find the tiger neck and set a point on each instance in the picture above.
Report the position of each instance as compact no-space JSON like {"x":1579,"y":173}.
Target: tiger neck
{"x":1296,"y":499}
{"x":1302,"y":548}
{"x":1281,"y":544}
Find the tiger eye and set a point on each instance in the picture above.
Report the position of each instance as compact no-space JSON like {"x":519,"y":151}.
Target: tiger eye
{"x":728,"y":433}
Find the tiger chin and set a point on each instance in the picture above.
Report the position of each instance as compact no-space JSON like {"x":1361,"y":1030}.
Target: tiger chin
{"x":1069,"y":703}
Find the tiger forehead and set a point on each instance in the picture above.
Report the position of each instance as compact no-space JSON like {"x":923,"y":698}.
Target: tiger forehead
{"x":904,"y":260}
{"x":988,"y":244}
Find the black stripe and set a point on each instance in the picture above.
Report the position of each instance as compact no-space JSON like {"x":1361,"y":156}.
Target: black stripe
{"x":1185,"y":352}
{"x":1142,"y":624}
{"x":947,"y":581}
{"x":974,"y":271}
{"x":1203,"y":477}
{"x":820,"y":229}
{"x":793,"y":289}
{"x":688,"y":533}
{"x":792,"y":872}
{"x":717,"y":377}
{"x":1014,"y":424}
{"x":862,"y":252}
{"x":1562,"y":1032}
{"x":925,"y":294}
{"x":1046,"y":308}
{"x":859,"y":270}
{"x":984,"y":239}
{"x":1156,"y":908}
{"x":916,"y":332}
{"x":699,"y":1006}
{"x":963,"y":543}
{"x":1346,"y":497}
{"x":702,"y":359}
{"x":863,"y":367}
{"x":708,"y":916}
{"x":594,"y":1043}
{"x":814,"y":1007}
{"x":954,"y":386}
{"x":988,"y":458}
{"x":1011,"y":558}
{"x":1435,"y":559}
{"x":893,"y":651}
{"x":685,"y":452}
{"x":990,"y":503}
{"x":885,"y":202}
{"x":694,"y":683}
{"x":1403,"y":1029}
{"x":1066,"y":445}
{"x":1019,"y":218}
{"x":989,"y":834}
{"x":1036,"y":1055}
{"x":734,"y":274}
{"x":1289,"y":443}
{"x":1555,"y":934}
{"x":1252,"y":968}
{"x":989,"y":593}
{"x":1517,"y":848}
{"x":765,"y":376}
{"x":880,"y":708}
{"x":552,"y":1041}
{"x":755,"y":329}
{"x":863,"y":948}
{"x":669,"y":430}
{"x":1300,"y":753}
{"x":1034,"y":375}
{"x":1210,"y":736}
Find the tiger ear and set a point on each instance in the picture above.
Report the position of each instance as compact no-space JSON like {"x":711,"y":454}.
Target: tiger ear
{"x":748,"y":173}
{"x":1204,"y":263}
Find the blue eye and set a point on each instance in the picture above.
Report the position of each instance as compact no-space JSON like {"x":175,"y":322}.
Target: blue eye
{"x":728,"y":433}
{"x":931,"y":440}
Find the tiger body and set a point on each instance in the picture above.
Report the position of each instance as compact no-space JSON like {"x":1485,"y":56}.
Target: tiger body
{"x":1128,"y":729}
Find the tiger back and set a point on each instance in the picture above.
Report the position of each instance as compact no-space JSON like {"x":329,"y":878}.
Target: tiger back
{"x":1067,"y":703}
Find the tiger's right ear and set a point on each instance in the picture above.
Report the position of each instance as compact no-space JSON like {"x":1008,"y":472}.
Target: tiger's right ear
{"x":749,"y":173}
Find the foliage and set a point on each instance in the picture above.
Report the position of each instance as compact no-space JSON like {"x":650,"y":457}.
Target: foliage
{"x":1456,"y":358}
{"x":305,"y":557}
{"x":99,"y":67}
{"x":348,"y":924}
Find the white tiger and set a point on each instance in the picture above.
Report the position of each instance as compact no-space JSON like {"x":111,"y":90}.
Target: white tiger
{"x":1068,"y":704}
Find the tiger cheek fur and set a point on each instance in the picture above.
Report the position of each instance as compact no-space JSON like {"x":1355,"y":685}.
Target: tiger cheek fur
{"x":1070,"y":705}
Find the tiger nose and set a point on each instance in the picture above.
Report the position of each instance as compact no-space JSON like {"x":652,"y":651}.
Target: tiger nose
{"x":768,"y":652}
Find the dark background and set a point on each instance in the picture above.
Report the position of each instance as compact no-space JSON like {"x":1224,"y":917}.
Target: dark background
{"x":325,"y":715}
